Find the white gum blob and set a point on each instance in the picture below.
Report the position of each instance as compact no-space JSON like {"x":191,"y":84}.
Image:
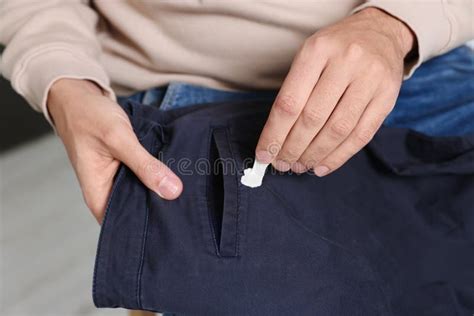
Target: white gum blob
{"x":253,"y":176}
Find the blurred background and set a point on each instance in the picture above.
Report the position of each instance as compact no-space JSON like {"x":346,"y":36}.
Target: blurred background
{"x":48,"y":237}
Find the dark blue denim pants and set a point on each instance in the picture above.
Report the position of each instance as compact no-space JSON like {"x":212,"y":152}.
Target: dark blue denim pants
{"x":390,"y":233}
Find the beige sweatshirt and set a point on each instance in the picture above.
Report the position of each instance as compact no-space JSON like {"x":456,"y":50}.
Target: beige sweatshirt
{"x":125,"y":46}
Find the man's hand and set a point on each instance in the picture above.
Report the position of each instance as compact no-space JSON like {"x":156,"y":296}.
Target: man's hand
{"x":342,"y":84}
{"x":98,"y":135}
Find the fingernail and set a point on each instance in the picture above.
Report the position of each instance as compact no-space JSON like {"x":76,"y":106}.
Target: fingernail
{"x":298,"y":167}
{"x":167,"y":188}
{"x":282,"y":165}
{"x":321,"y":171}
{"x":264,"y":156}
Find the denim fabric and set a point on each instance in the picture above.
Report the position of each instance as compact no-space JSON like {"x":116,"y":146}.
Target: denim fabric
{"x":390,"y":233}
{"x":179,"y":94}
{"x":437,"y":100}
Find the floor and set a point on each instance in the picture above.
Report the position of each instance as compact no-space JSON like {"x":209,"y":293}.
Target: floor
{"x":47,"y":236}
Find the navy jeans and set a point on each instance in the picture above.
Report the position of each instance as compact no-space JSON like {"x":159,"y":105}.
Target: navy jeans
{"x":390,"y":233}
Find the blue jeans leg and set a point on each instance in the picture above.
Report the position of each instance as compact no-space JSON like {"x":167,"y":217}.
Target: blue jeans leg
{"x":438,"y":99}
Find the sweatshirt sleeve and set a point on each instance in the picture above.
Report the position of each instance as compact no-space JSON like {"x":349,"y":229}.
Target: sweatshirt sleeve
{"x":439,"y":25}
{"x":47,"y":40}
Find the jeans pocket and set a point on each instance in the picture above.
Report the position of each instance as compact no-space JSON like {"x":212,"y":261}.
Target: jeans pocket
{"x":222,"y":191}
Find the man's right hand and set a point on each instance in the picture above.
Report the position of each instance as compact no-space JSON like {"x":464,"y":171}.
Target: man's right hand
{"x":98,"y":136}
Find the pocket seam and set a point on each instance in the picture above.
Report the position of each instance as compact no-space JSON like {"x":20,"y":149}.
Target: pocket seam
{"x":104,"y":228}
{"x":228,"y":211}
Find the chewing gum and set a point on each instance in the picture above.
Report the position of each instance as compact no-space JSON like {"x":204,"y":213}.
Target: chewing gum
{"x":253,"y":176}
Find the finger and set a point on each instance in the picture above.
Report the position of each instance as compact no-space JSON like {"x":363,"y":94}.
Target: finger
{"x":152,"y":172}
{"x":341,"y":122}
{"x":323,"y":100}
{"x":293,"y":95}
{"x":368,"y":125}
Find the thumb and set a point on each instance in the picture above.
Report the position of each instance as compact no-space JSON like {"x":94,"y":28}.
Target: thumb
{"x":152,"y":172}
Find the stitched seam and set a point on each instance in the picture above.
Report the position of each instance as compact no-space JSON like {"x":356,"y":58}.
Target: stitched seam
{"x":237,"y":220}
{"x":44,"y":51}
{"x":451,"y":25}
{"x":142,"y":256}
{"x":99,"y":256}
{"x":217,"y":244}
{"x":145,"y":234}
{"x":211,"y":226}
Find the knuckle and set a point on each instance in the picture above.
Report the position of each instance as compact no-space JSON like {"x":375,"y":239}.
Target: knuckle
{"x":314,"y":45}
{"x":355,"y":51}
{"x":307,"y":160}
{"x":340,"y":128}
{"x":286,"y":105}
{"x":309,"y":44}
{"x":324,"y":40}
{"x":313,"y":156}
{"x":313,"y":42}
{"x":149,"y":167}
{"x":364,"y":136}
{"x":271,"y":146}
{"x":311,"y":117}
{"x":332,"y":162}
{"x":111,"y":136}
{"x":377,"y":67}
{"x":290,"y":154}
{"x":311,"y":162}
{"x":355,"y":106}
